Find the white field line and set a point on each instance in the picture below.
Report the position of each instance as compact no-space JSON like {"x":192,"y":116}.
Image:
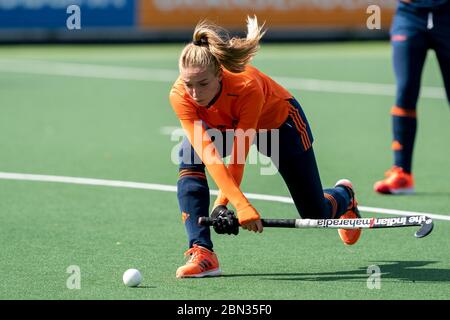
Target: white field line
{"x":168,"y":188}
{"x":166,"y":75}
{"x":87,"y":70}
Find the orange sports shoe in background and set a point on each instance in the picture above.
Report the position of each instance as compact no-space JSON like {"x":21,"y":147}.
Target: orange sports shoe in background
{"x":397,"y":182}
{"x":349,"y":236}
{"x":202,"y":263}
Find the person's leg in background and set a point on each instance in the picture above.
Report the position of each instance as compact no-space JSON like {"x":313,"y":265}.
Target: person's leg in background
{"x":440,"y":38}
{"x":410,"y":44}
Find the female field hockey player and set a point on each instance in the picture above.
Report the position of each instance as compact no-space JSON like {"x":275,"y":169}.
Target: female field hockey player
{"x":418,"y":25}
{"x":218,"y":89}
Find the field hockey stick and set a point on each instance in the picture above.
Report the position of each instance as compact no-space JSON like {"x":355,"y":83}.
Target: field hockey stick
{"x":425,"y":223}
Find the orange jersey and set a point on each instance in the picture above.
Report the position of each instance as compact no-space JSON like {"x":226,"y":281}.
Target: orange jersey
{"x":247,"y":100}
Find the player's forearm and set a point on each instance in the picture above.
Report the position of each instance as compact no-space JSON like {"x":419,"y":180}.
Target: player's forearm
{"x":229,"y":188}
{"x":237,"y":172}
{"x":221,"y":175}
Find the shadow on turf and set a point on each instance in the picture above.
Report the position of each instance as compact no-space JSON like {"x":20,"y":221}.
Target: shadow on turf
{"x":407,"y":271}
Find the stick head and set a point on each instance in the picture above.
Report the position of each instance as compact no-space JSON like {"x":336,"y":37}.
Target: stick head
{"x":425,"y":229}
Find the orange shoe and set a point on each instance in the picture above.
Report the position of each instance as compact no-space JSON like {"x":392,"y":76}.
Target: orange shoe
{"x":349,"y":236}
{"x":397,"y":182}
{"x":202,"y":263}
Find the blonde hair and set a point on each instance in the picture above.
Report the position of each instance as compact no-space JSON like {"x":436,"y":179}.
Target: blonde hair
{"x":212,"y":47}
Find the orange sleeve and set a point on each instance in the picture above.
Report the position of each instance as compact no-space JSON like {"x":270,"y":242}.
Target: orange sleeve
{"x":245,"y":133}
{"x":183,"y":109}
{"x":236,"y":170}
{"x":207,"y":152}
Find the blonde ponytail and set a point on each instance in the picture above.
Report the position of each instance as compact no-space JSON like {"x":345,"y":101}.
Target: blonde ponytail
{"x":212,"y":47}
